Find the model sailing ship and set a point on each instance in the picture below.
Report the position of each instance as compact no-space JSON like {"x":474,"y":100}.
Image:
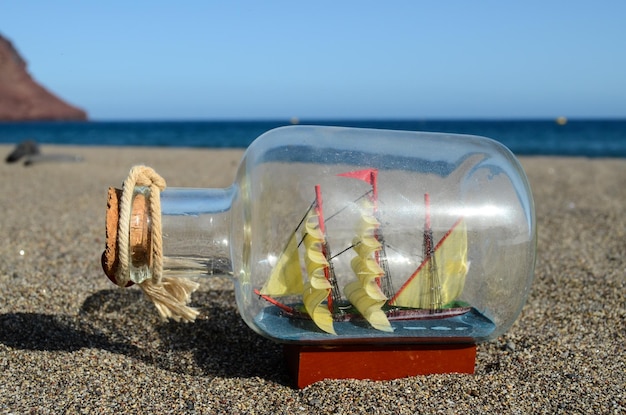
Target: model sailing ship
{"x":431,"y":292}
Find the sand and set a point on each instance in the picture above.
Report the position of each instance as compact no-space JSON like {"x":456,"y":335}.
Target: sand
{"x":71,"y":342}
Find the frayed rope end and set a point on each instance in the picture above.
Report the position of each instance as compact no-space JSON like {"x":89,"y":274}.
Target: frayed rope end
{"x":171,"y":297}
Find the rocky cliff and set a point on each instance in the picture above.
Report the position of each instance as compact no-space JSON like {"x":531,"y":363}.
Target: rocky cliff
{"x":23,"y":99}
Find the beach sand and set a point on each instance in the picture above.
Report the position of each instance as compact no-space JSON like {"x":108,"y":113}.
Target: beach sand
{"x":71,"y":342}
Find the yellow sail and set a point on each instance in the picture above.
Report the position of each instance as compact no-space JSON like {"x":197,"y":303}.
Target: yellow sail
{"x":451,"y":259}
{"x":317,"y":288}
{"x":367,"y":271}
{"x":365,"y":293}
{"x":286,"y":277}
{"x":369,"y":308}
{"x":367,"y":242}
{"x":452,"y":262}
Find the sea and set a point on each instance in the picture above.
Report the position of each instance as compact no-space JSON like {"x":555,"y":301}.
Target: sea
{"x":558,"y":137}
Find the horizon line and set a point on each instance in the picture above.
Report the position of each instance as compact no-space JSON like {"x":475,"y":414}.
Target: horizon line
{"x":297,"y":120}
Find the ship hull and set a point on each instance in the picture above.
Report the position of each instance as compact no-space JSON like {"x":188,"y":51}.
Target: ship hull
{"x":396,"y":314}
{"x":415,"y":314}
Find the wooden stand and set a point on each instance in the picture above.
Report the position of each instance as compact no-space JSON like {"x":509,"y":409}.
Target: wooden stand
{"x":309,"y":364}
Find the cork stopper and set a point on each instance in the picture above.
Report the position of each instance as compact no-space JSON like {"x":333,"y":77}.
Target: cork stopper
{"x":139,"y":236}
{"x":140,"y":233}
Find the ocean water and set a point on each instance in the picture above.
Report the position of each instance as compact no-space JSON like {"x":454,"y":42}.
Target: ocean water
{"x":587,"y":138}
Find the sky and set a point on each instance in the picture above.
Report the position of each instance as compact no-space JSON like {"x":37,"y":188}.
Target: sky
{"x":210,"y":60}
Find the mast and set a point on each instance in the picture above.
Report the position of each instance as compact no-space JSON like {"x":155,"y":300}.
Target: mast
{"x":434,"y":285}
{"x":440,"y":277}
{"x":329,"y":271}
{"x":381,"y":256}
{"x":371,"y":176}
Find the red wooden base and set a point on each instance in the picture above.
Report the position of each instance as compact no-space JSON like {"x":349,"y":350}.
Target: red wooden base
{"x":309,"y":364}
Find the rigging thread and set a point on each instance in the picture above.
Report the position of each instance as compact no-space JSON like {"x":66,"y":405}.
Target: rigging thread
{"x":170,"y":295}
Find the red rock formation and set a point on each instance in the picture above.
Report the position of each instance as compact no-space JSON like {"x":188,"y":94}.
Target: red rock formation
{"x":21,"y":98}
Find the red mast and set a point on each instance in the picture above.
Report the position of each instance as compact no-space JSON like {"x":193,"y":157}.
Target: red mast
{"x":329,"y":272}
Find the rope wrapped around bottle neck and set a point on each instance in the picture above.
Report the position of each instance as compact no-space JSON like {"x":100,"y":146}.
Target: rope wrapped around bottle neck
{"x":170,"y":295}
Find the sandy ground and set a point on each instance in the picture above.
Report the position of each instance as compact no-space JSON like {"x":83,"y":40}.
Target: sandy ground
{"x":71,"y":342}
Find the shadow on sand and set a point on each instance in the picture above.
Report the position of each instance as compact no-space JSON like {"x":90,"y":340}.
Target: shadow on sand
{"x":120,"y":321}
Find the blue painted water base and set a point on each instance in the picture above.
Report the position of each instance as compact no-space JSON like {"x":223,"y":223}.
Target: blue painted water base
{"x":470,"y":327}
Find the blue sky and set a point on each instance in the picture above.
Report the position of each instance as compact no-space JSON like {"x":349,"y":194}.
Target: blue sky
{"x":326,"y":59}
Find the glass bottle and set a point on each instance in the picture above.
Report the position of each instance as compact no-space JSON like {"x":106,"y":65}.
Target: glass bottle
{"x":343,"y":235}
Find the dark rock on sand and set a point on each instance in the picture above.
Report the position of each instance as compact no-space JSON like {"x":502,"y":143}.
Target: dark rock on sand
{"x":29,"y":151}
{"x":23,"y":149}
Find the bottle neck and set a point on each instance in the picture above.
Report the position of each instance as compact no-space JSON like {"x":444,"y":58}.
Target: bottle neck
{"x":196,"y":231}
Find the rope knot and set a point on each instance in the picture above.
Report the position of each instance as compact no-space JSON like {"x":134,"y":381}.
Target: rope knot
{"x":146,"y":176}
